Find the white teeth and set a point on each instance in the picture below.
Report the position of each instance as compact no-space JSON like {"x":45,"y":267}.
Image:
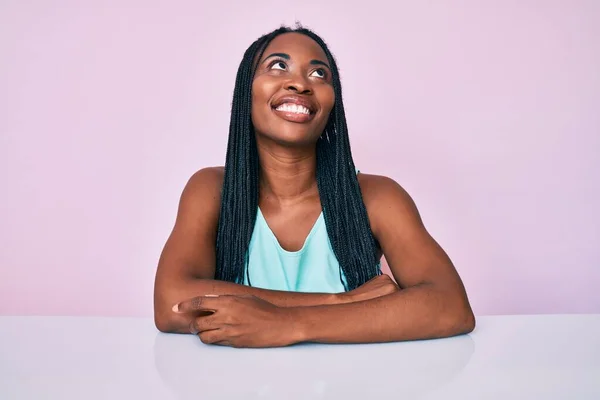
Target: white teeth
{"x":293,"y":108}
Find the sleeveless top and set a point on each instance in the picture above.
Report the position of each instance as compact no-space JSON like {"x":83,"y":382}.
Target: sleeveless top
{"x":314,"y":268}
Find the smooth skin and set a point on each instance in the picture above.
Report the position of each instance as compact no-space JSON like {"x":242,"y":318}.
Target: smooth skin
{"x":428,"y":301}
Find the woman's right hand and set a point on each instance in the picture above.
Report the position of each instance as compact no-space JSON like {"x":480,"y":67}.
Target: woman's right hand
{"x":381,"y":285}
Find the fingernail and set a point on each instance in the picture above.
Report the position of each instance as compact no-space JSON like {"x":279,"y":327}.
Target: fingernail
{"x":211,"y":295}
{"x":176,"y":308}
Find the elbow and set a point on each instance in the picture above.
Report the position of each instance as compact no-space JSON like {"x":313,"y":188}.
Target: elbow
{"x":162,"y":322}
{"x":161,"y":318}
{"x":457,"y":320}
{"x":467,"y":321}
{"x":463,"y":320}
{"x":165,"y":319}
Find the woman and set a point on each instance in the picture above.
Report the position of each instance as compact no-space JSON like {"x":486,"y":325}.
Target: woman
{"x":283,"y":244}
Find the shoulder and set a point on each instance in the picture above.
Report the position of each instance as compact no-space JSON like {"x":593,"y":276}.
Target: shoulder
{"x":386,"y":201}
{"x":382,"y":191}
{"x":206,"y":181}
{"x":203,"y":190}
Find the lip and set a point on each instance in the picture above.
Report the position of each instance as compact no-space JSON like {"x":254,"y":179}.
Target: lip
{"x":299,"y":100}
{"x":294,"y":117}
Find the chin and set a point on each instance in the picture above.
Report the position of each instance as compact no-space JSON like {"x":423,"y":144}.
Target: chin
{"x":293,"y":137}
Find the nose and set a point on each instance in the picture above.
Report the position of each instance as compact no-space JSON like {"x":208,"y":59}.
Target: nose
{"x":298,"y":85}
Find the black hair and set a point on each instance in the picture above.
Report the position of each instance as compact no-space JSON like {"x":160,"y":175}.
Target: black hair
{"x":344,"y":211}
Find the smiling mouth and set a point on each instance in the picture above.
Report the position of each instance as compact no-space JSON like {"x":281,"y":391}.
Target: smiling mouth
{"x":294,"y":112}
{"x":293,"y":108}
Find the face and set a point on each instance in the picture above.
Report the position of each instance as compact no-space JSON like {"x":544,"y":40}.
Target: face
{"x":292,"y":92}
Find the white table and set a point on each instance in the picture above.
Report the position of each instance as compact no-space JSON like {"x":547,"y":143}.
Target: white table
{"x":506,"y":357}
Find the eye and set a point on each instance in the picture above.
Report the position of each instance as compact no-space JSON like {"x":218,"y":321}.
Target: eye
{"x":319,"y":73}
{"x":280,"y":65}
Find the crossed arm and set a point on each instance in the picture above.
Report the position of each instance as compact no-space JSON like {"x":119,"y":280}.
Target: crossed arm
{"x":428,"y":302}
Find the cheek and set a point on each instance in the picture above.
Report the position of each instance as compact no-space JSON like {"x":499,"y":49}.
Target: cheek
{"x":327,"y":97}
{"x":256,"y":90}
{"x":258,"y":104}
{"x":263,"y":89}
{"x":261,"y":94}
{"x":257,"y":96}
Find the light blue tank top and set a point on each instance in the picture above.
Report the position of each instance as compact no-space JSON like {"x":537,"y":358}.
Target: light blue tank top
{"x":313,"y":268}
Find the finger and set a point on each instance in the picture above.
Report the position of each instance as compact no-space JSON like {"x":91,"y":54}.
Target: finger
{"x":205,"y":323}
{"x":197,"y":325}
{"x":212,"y":336}
{"x":198,"y":303}
{"x":382,"y":277}
{"x":193,"y":329}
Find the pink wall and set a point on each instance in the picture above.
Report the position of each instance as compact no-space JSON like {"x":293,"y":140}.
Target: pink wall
{"x":488,"y":112}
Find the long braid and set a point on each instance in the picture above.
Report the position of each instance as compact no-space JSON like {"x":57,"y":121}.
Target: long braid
{"x":239,"y":194}
{"x":345,"y":214}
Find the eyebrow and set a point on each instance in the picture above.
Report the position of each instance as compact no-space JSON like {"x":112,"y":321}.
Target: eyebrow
{"x":287,"y":57}
{"x":281,"y":55}
{"x":319,"y":62}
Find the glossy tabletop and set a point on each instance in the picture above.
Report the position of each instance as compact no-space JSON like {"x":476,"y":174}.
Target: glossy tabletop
{"x":506,"y":357}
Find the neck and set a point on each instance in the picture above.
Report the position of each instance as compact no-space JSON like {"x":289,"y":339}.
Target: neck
{"x":287,"y":175}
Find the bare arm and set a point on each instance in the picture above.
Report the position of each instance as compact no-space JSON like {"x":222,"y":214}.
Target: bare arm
{"x":182,"y":289}
{"x":186,"y":267}
{"x":433,"y":302}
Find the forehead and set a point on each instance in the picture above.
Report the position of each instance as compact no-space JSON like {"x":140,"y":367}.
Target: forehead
{"x":296,"y":45}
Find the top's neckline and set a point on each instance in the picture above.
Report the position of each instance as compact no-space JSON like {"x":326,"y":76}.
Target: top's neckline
{"x":306,"y":240}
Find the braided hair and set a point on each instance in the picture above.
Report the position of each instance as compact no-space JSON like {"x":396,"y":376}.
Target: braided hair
{"x":344,"y":211}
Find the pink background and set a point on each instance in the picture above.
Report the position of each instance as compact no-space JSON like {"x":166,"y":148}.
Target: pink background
{"x":487,"y":112}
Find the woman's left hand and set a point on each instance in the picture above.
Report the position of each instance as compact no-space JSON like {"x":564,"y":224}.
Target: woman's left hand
{"x":240,"y":321}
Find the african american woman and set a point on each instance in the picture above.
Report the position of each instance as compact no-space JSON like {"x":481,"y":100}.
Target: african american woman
{"x":283,"y":244}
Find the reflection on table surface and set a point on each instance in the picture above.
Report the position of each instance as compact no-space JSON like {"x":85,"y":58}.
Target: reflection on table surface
{"x":310,"y":370}
{"x":529,"y":357}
